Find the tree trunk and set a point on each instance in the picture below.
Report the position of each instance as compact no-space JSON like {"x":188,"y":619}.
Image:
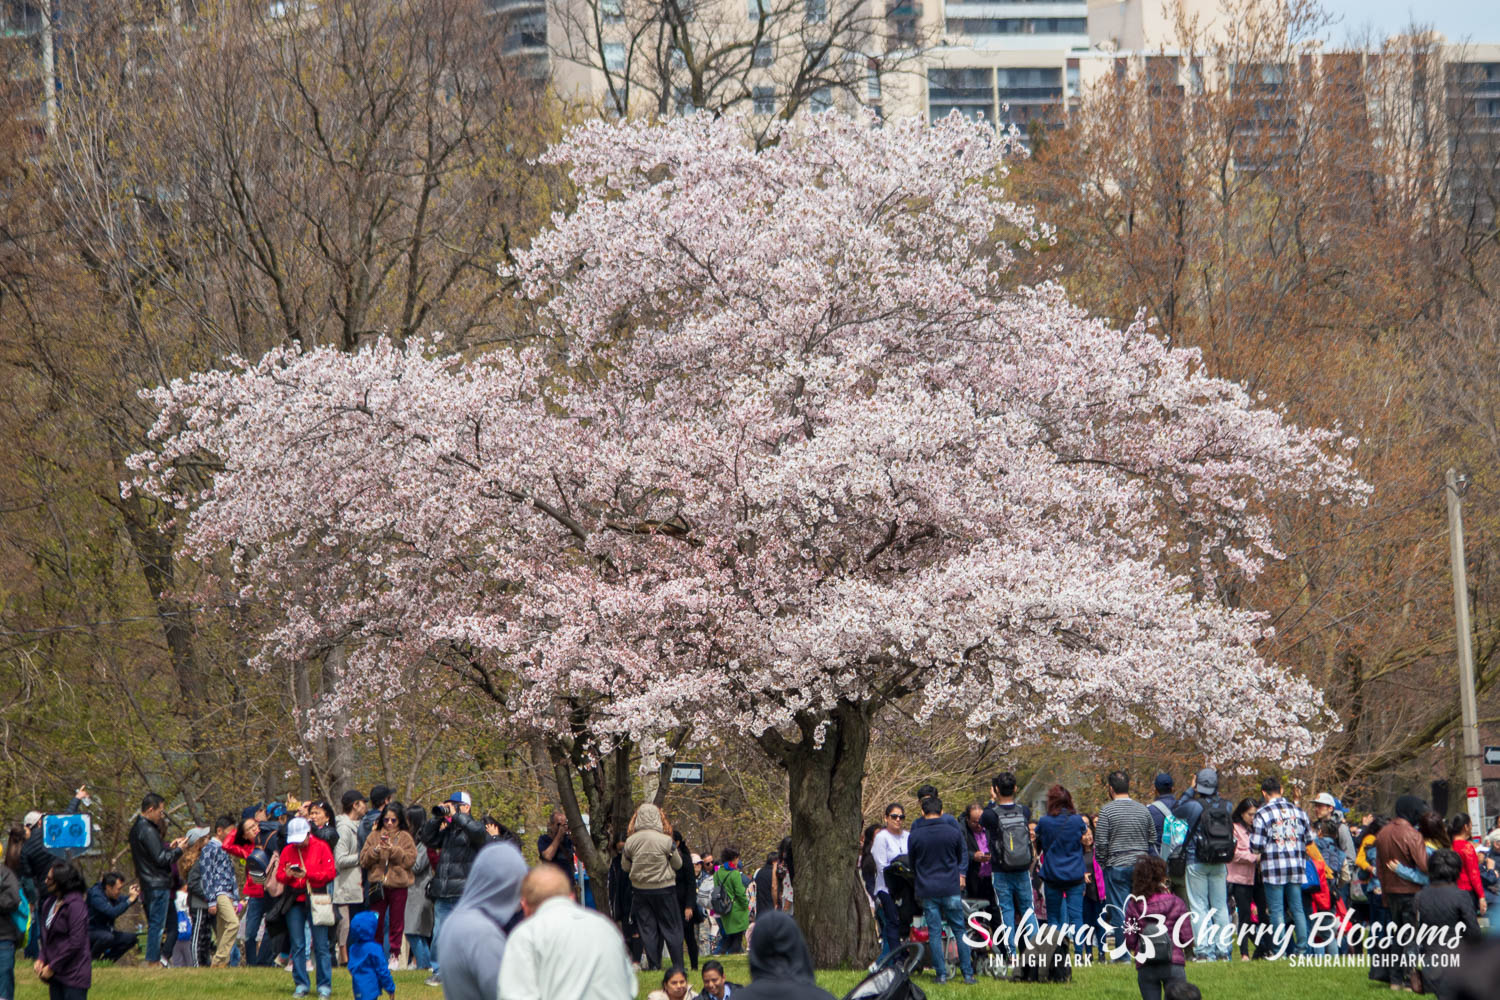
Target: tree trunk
{"x":825,"y":785}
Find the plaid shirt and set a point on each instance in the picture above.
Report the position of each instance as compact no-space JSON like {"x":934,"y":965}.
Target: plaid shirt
{"x":1281,"y":835}
{"x":218,"y":872}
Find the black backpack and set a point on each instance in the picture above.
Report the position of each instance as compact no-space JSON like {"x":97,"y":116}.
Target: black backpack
{"x":720,"y":899}
{"x":1013,"y":850}
{"x":1215,"y":842}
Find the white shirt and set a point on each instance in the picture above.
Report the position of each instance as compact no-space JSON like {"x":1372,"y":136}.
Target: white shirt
{"x":566,"y":952}
{"x":888,"y":847}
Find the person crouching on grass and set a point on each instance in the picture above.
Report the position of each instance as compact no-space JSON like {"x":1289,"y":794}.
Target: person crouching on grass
{"x":1157,"y":925}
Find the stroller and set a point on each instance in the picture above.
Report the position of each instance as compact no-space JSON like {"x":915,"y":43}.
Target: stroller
{"x":891,"y":979}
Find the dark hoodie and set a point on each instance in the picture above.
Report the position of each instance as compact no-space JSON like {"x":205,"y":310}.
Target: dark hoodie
{"x":474,"y":934}
{"x":780,"y":965}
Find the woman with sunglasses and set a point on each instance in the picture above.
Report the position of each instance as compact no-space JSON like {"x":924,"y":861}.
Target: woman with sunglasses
{"x":890,"y":843}
{"x":387,"y":858}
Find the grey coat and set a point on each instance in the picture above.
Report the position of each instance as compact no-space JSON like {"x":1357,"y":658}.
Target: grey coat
{"x":418,"y":906}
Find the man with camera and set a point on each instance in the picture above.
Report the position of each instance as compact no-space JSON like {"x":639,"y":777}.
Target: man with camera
{"x":457,"y":836}
{"x":108,"y":899}
{"x":556,"y":845}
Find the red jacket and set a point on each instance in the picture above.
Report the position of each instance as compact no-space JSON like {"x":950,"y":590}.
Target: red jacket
{"x":242,"y":850}
{"x":1468,"y":879}
{"x":317,"y":860}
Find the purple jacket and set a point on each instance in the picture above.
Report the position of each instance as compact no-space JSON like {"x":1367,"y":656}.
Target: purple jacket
{"x":65,"y":940}
{"x":1173,"y":910}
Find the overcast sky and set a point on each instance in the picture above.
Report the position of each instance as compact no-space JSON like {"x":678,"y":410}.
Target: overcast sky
{"x":1460,"y":20}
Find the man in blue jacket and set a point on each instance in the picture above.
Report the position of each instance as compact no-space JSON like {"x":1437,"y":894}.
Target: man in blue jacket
{"x":939,"y":858}
{"x":108,"y":898}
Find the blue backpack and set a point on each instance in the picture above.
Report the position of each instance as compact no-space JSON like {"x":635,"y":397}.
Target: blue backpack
{"x":22,"y":918}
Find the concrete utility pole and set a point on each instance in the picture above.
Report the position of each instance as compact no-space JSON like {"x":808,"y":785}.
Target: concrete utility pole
{"x":1473,"y":776}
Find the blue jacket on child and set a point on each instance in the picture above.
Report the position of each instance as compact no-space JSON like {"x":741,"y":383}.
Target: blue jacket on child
{"x":368,"y":963}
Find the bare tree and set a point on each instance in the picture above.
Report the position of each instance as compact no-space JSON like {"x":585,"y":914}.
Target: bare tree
{"x":767,"y":58}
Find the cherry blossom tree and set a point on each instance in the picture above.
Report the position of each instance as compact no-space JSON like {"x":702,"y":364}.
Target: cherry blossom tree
{"x":786,"y":448}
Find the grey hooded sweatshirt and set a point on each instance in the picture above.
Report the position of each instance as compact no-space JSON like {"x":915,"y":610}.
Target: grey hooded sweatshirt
{"x":650,"y":856}
{"x":474,"y":935}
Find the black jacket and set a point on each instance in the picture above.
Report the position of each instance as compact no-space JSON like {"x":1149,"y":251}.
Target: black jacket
{"x":456,"y":840}
{"x":765,"y":890}
{"x":153,"y":858}
{"x":36,"y":860}
{"x":780,"y":965}
{"x":687,"y":886}
{"x":10,"y":900}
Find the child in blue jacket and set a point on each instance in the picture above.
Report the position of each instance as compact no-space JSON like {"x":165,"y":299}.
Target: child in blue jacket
{"x":367,"y":959}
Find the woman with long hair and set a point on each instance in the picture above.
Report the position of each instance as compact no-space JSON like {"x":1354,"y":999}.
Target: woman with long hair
{"x":417,"y":922}
{"x":64,"y":962}
{"x":1240,"y":873}
{"x":1158,"y":957}
{"x":687,"y":899}
{"x":387,"y":859}
{"x":1059,"y":840}
{"x":10,"y":902}
{"x":651,"y":860}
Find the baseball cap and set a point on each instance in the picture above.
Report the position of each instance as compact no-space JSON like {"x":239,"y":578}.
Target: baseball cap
{"x":1207,"y":782}
{"x":1324,"y":799}
{"x":697,"y":860}
{"x":32,"y":818}
{"x":1164,"y":782}
{"x":297,"y":830}
{"x":275,"y":810}
{"x":462,"y":798}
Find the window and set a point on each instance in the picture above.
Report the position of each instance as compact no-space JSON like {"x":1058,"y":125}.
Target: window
{"x":682,"y":97}
{"x":817,"y":11}
{"x":753,"y":8}
{"x":821,"y":100}
{"x":612,"y":11}
{"x":528,"y":31}
{"x":1018,"y":25}
{"x":872,"y":84}
{"x":764,"y":99}
{"x":764,"y":55}
{"x":614,"y":56}
{"x":679,"y":61}
{"x":1074,"y":81}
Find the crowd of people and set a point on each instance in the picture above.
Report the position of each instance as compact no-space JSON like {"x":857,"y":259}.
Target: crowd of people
{"x":374,"y":886}
{"x":1262,"y":876}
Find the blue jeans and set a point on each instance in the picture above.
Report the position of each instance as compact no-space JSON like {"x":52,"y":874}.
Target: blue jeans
{"x":1013,"y":895}
{"x":1116,"y":892}
{"x":1280,"y":899}
{"x":421,"y":952}
{"x":298,"y":923}
{"x":7,"y":969}
{"x":441,"y":908}
{"x":1064,"y":904}
{"x":255,"y":912}
{"x":1208,"y":898}
{"x":157,"y":903}
{"x":889,"y":919}
{"x":947,"y":910}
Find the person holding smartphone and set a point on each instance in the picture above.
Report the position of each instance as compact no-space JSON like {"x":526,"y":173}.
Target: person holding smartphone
{"x":306,"y":867}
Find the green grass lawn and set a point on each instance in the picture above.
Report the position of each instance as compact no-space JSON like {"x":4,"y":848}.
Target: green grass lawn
{"x":1219,"y":981}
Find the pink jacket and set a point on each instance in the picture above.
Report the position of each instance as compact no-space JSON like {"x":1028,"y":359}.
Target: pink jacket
{"x":1241,"y":868}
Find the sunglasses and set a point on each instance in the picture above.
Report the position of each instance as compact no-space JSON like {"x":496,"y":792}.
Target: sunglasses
{"x":392,"y":819}
{"x":895,"y":815}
